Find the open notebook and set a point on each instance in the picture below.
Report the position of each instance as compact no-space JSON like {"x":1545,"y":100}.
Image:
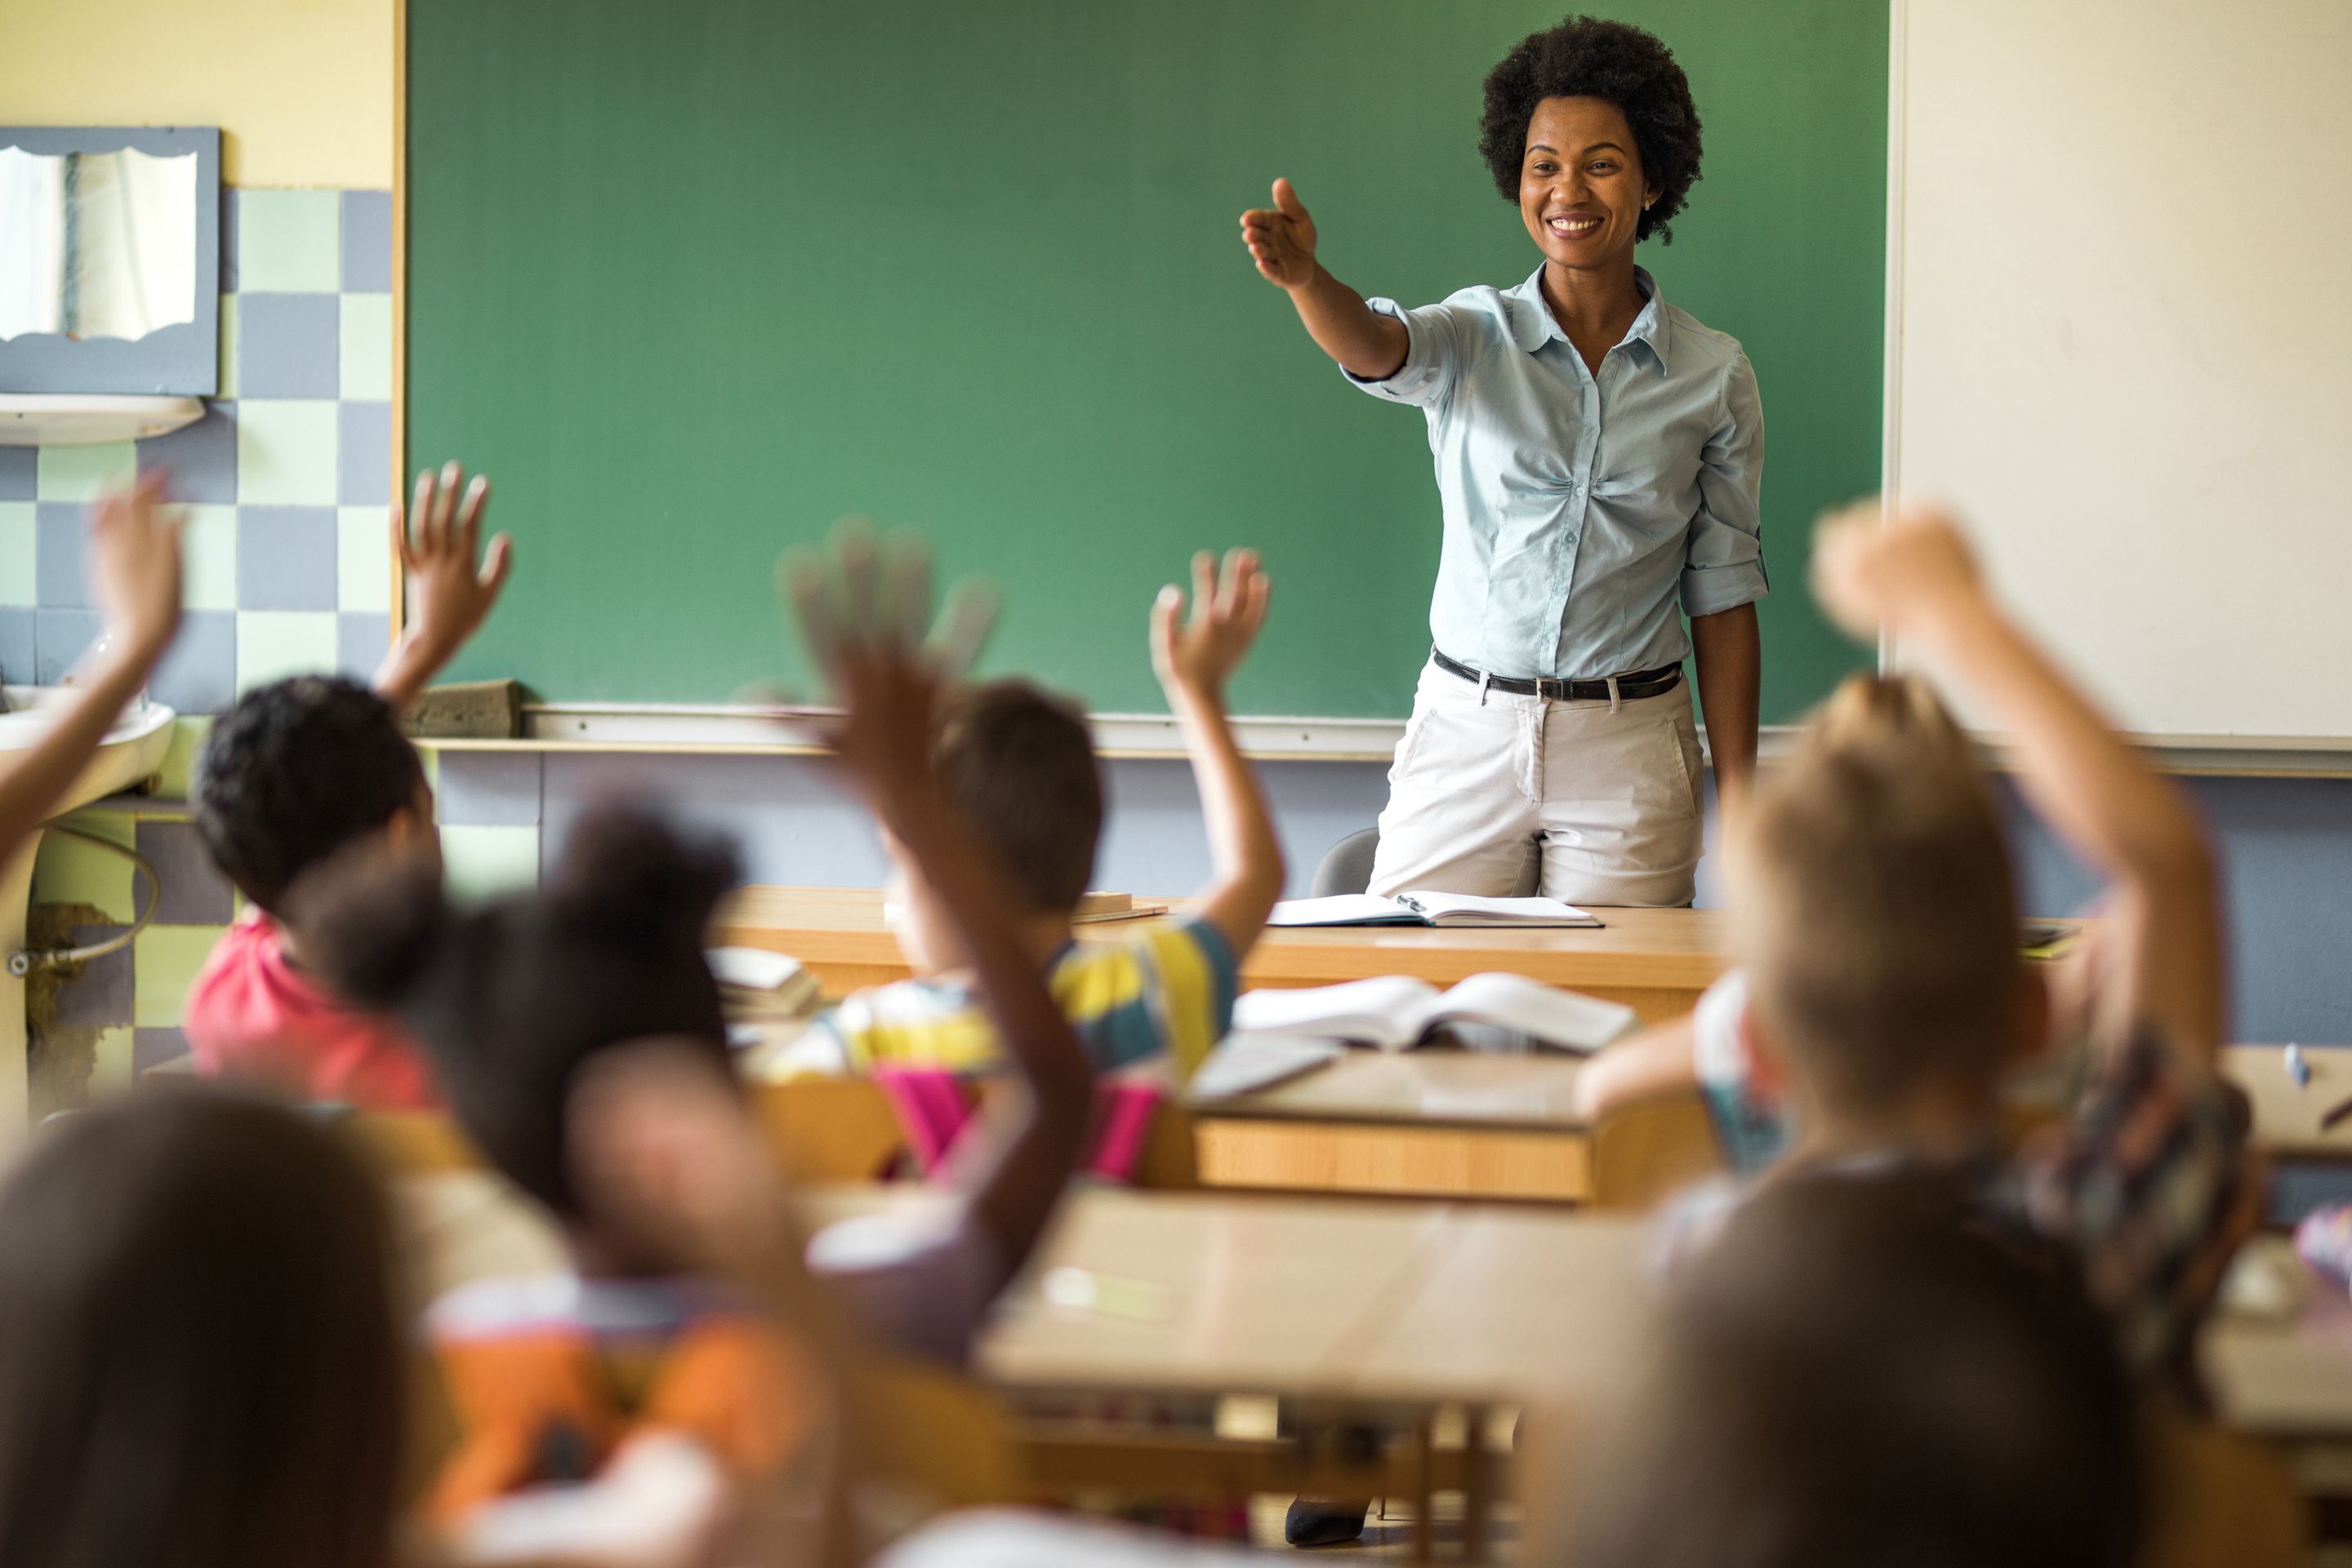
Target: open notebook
{"x":1396,"y":1012}
{"x":1425,"y":909}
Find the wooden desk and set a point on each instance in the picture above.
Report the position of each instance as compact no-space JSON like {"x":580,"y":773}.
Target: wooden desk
{"x":1654,"y":961}
{"x":1411,"y":1124}
{"x":2286,"y":1118}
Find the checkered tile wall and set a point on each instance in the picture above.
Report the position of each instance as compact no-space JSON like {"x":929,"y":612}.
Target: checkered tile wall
{"x":285,"y":485}
{"x":286,"y":477}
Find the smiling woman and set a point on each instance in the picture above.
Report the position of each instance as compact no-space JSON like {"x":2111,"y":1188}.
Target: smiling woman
{"x":1599,"y":457}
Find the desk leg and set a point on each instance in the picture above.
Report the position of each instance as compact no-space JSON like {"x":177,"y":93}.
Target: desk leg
{"x":1424,"y":1493}
{"x":1477,"y":1484}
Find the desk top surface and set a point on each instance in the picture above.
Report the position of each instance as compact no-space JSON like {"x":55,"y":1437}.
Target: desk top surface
{"x":1680,"y":948}
{"x":1371,"y":1301}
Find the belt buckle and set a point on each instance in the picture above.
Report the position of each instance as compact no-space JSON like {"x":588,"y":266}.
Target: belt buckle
{"x":1551,"y":688}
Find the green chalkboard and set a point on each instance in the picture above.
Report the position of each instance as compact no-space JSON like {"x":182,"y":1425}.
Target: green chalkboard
{"x":694,"y":278}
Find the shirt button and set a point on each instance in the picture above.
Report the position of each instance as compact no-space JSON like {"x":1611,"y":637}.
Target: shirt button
{"x":1571,"y":536}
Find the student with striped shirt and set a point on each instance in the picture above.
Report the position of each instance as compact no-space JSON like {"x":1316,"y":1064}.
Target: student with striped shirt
{"x":1021,"y":766}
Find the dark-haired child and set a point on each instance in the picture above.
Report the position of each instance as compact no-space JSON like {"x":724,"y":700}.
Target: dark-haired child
{"x":558,"y":1378}
{"x":1599,"y":457}
{"x":293,"y":773}
{"x":555,"y":1376}
{"x":200,"y":1361}
{"x":1020,"y":767}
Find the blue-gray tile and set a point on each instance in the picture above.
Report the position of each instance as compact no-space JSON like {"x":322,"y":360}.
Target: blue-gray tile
{"x":200,"y":458}
{"x":489,"y":789}
{"x":156,"y":1047}
{"x":198,"y":673}
{"x":20,"y":473}
{"x":193,"y":892}
{"x":103,"y":996}
{"x":58,"y":580}
{"x":17,"y":640}
{"x":286,"y":558}
{"x":360,"y":642}
{"x":364,"y":454}
{"x":287,"y":345}
{"x":367,"y":242}
{"x":61,"y":636}
{"x":228,"y":239}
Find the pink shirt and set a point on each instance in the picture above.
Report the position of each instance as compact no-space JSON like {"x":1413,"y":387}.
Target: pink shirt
{"x":252,"y":1015}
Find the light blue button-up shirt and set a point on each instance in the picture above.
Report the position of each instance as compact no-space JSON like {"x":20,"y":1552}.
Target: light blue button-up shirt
{"x":1579,"y":508}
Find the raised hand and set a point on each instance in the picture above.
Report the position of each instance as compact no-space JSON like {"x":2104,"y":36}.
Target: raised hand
{"x":1867,"y":571}
{"x":451,"y":585}
{"x":1281,"y":240}
{"x":134,"y":569}
{"x":1197,"y":656}
{"x":861,"y":605}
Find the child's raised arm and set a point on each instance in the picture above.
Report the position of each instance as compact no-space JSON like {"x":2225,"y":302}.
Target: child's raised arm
{"x":861,"y":612}
{"x":439,"y":546}
{"x":134,"y":569}
{"x":1914,"y":574}
{"x":1195,"y":657}
{"x":1281,"y":241}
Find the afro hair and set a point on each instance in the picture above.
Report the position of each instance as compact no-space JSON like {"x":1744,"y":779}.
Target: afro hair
{"x":1586,"y":56}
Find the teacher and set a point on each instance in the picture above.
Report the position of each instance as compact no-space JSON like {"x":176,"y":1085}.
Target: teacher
{"x":1599,"y":457}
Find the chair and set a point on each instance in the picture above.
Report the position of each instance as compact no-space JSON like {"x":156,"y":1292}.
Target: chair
{"x":1347,"y":867}
{"x":2219,"y":1499}
{"x":825,"y":1129}
{"x":1645,"y":1152}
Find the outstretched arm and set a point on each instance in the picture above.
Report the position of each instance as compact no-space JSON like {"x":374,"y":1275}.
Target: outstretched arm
{"x":134,"y":567}
{"x":1195,"y":657}
{"x":1914,"y":574}
{"x":859,"y":611}
{"x":1281,"y":241}
{"x":452,"y":588}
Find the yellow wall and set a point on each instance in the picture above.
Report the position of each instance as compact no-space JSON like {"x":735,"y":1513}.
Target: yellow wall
{"x":300,"y":89}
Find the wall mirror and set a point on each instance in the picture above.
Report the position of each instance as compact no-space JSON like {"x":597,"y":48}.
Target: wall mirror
{"x":109,"y":260}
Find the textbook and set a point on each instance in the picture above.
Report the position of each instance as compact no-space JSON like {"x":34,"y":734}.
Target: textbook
{"x":1396,"y":1012}
{"x":1423,"y":908}
{"x":758,"y":986}
{"x":1245,"y":1063}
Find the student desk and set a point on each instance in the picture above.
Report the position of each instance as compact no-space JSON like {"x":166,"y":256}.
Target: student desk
{"x":1428,"y":1123}
{"x":2286,"y":1118}
{"x":1654,"y":961}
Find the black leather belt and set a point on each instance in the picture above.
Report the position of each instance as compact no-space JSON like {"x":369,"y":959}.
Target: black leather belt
{"x":1630,"y":688}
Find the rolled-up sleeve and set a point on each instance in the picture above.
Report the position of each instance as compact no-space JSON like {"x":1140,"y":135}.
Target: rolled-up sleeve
{"x":1723,"y":561}
{"x":1431,"y":355}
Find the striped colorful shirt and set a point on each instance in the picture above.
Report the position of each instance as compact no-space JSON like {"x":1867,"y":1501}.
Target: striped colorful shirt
{"x":1167,"y":989}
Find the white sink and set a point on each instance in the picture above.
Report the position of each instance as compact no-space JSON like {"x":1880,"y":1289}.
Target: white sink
{"x":132,"y":750}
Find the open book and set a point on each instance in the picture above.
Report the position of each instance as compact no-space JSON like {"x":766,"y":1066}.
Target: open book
{"x":757,"y":986}
{"x":1426,"y":909}
{"x":1396,"y":1012}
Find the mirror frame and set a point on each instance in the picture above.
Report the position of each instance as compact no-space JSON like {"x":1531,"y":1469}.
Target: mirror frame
{"x":181,"y":359}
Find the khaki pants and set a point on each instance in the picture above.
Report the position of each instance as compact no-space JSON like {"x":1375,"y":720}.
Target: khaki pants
{"x":1604,"y":797}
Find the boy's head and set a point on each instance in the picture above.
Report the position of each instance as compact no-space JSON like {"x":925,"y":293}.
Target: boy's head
{"x":514,"y":998}
{"x":1876,"y":911}
{"x":1857,"y":1372}
{"x":1020,"y":764}
{"x":299,"y":769}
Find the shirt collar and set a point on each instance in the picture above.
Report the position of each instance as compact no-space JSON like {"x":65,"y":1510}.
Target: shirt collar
{"x":1533,"y":325}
